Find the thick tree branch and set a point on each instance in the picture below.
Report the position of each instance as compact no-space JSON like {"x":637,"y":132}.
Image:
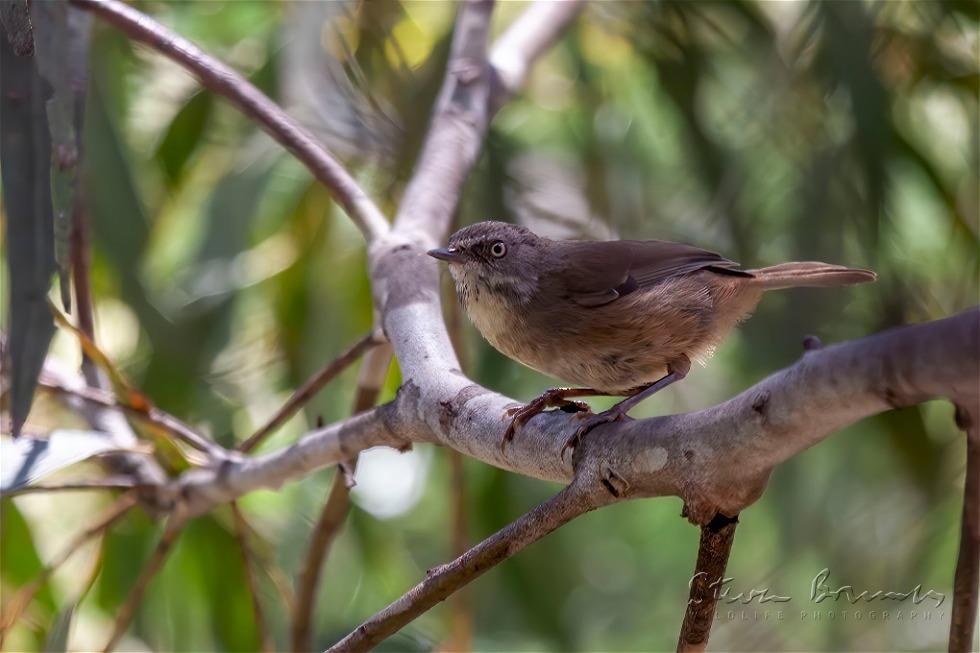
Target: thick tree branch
{"x":442,"y":581}
{"x":716,"y":459}
{"x":223,"y":80}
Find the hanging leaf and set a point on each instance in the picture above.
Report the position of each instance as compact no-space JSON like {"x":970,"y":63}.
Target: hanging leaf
{"x":28,"y":459}
{"x":24,"y":167}
{"x":184,"y":135}
{"x":61,"y":48}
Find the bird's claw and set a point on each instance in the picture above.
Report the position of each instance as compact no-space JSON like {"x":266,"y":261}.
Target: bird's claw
{"x":521,"y":414}
{"x":590,"y":422}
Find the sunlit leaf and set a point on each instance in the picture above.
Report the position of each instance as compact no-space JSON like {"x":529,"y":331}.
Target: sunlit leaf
{"x":24,"y":165}
{"x":28,"y":459}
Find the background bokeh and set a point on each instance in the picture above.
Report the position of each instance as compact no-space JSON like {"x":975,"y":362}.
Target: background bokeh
{"x":768,"y":131}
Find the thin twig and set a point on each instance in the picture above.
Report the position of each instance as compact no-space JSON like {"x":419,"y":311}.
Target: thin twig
{"x":175,"y":524}
{"x":460,"y":615}
{"x":967,"y":577}
{"x":713,"y":550}
{"x":80,"y":265}
{"x":108,"y":483}
{"x":151,"y":415}
{"x":24,"y":596}
{"x":241,"y":535}
{"x":442,"y":581}
{"x":229,"y":83}
{"x":312,"y":386}
{"x":335,"y":508}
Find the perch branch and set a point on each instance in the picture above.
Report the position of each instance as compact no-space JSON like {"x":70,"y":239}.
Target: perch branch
{"x":312,"y":386}
{"x":335,"y":509}
{"x":442,"y":581}
{"x":716,"y":459}
{"x":709,"y":572}
{"x":227,"y":82}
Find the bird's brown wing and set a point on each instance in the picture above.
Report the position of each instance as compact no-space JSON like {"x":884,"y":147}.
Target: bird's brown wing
{"x":597,"y":273}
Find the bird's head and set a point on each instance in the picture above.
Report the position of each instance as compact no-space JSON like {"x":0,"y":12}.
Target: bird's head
{"x":493,"y":257}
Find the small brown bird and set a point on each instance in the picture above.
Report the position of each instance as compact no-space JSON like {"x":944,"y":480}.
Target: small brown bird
{"x":620,"y":318}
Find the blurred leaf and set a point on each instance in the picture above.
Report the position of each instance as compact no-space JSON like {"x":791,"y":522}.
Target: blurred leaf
{"x":61,"y":46}
{"x":20,"y":563}
{"x":184,"y":135}
{"x":28,"y":459}
{"x":58,"y":634}
{"x":24,"y":165}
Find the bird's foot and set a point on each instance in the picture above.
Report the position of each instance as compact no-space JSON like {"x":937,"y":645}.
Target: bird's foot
{"x":589,"y":422}
{"x":521,"y":414}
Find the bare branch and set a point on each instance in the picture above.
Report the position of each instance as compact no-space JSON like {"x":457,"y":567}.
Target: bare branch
{"x":713,"y":550}
{"x":241,"y":536}
{"x":312,"y":386}
{"x":335,"y":508}
{"x":225,"y":81}
{"x":526,"y":40}
{"x":967,"y":576}
{"x":15,"y":606}
{"x":175,"y":525}
{"x":203,"y":488}
{"x":110,"y":483}
{"x":442,"y":581}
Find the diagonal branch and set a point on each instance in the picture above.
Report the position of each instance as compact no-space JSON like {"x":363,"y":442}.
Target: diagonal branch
{"x":442,"y":581}
{"x":223,"y":80}
{"x":312,"y":386}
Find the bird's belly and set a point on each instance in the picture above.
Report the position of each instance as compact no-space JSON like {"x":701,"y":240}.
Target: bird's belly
{"x":587,"y":351}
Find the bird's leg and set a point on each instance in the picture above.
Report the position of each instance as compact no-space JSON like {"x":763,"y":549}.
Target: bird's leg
{"x":675,"y":372}
{"x":552,"y":397}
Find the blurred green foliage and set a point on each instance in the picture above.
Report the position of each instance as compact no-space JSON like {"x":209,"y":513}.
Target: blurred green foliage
{"x":224,"y":276}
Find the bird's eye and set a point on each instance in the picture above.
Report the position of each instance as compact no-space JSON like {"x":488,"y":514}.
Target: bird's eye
{"x":498,"y":249}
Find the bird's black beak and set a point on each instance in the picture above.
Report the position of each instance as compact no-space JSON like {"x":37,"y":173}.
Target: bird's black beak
{"x":450,"y":254}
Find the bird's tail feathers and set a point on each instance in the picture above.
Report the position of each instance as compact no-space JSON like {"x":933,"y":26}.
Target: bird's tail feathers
{"x":809,"y":273}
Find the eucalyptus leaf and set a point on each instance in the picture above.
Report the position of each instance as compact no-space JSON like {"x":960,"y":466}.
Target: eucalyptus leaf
{"x":57,"y":641}
{"x":24,"y":167}
{"x":61,"y":47}
{"x":28,"y":459}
